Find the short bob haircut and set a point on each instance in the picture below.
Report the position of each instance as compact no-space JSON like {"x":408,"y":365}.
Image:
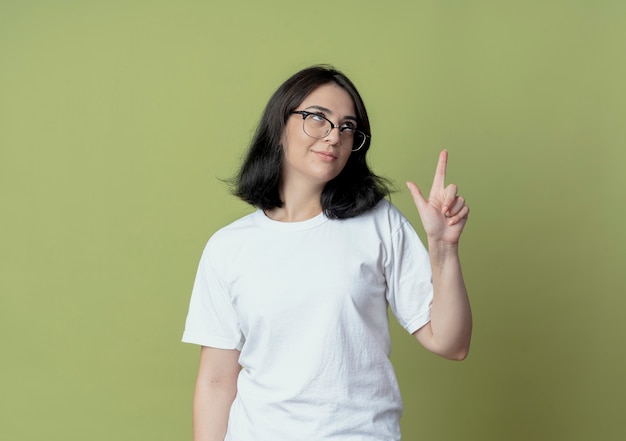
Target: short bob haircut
{"x":354,"y":191}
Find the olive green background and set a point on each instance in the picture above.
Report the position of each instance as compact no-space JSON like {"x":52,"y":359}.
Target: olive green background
{"x":119,"y":118}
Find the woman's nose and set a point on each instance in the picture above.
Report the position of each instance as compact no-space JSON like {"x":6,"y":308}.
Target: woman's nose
{"x":334,"y":136}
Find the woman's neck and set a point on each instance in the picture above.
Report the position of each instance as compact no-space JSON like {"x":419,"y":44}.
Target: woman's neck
{"x":299,"y":204}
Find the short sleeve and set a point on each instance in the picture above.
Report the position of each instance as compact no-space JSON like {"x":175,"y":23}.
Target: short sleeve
{"x":212,"y":320}
{"x":409,"y":279}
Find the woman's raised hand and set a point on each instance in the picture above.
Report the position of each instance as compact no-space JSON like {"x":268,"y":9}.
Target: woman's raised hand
{"x":444,"y":213}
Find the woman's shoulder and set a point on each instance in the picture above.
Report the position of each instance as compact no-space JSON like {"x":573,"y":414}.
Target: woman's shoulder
{"x":234,"y":232}
{"x":384,"y":216}
{"x":386,"y":210}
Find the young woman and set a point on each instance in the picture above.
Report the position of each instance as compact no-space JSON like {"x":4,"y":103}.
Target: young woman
{"x":290,"y":302}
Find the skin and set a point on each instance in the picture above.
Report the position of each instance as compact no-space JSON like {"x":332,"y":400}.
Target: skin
{"x":216,"y":387}
{"x":444,"y":215}
{"x":308,"y":165}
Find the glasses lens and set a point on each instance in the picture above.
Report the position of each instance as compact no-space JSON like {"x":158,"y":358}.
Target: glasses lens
{"x":316,"y":126}
{"x":359,"y":140}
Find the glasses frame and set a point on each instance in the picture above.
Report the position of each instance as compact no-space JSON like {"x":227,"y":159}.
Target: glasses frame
{"x":305,"y":114}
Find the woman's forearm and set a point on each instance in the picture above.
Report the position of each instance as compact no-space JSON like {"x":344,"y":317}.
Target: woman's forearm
{"x":449,"y":332}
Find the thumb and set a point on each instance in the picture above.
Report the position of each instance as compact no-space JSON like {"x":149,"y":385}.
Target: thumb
{"x":418,"y":198}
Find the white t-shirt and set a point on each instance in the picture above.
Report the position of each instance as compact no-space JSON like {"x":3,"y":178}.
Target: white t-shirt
{"x":306,"y":304}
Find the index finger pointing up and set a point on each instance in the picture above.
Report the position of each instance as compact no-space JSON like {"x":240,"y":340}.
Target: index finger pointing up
{"x":440,"y":174}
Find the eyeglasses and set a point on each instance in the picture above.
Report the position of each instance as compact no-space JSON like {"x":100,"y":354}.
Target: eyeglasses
{"x":318,"y":126}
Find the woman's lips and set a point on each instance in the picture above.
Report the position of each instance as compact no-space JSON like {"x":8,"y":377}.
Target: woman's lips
{"x":326,"y":156}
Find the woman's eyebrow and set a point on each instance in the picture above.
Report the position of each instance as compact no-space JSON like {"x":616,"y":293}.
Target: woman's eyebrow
{"x":330,"y":112}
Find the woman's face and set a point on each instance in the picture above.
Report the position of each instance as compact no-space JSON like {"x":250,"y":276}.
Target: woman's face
{"x":311,"y":161}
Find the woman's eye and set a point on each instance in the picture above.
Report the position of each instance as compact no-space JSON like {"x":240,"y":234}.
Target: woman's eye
{"x":347,"y":128}
{"x":316,"y":117}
